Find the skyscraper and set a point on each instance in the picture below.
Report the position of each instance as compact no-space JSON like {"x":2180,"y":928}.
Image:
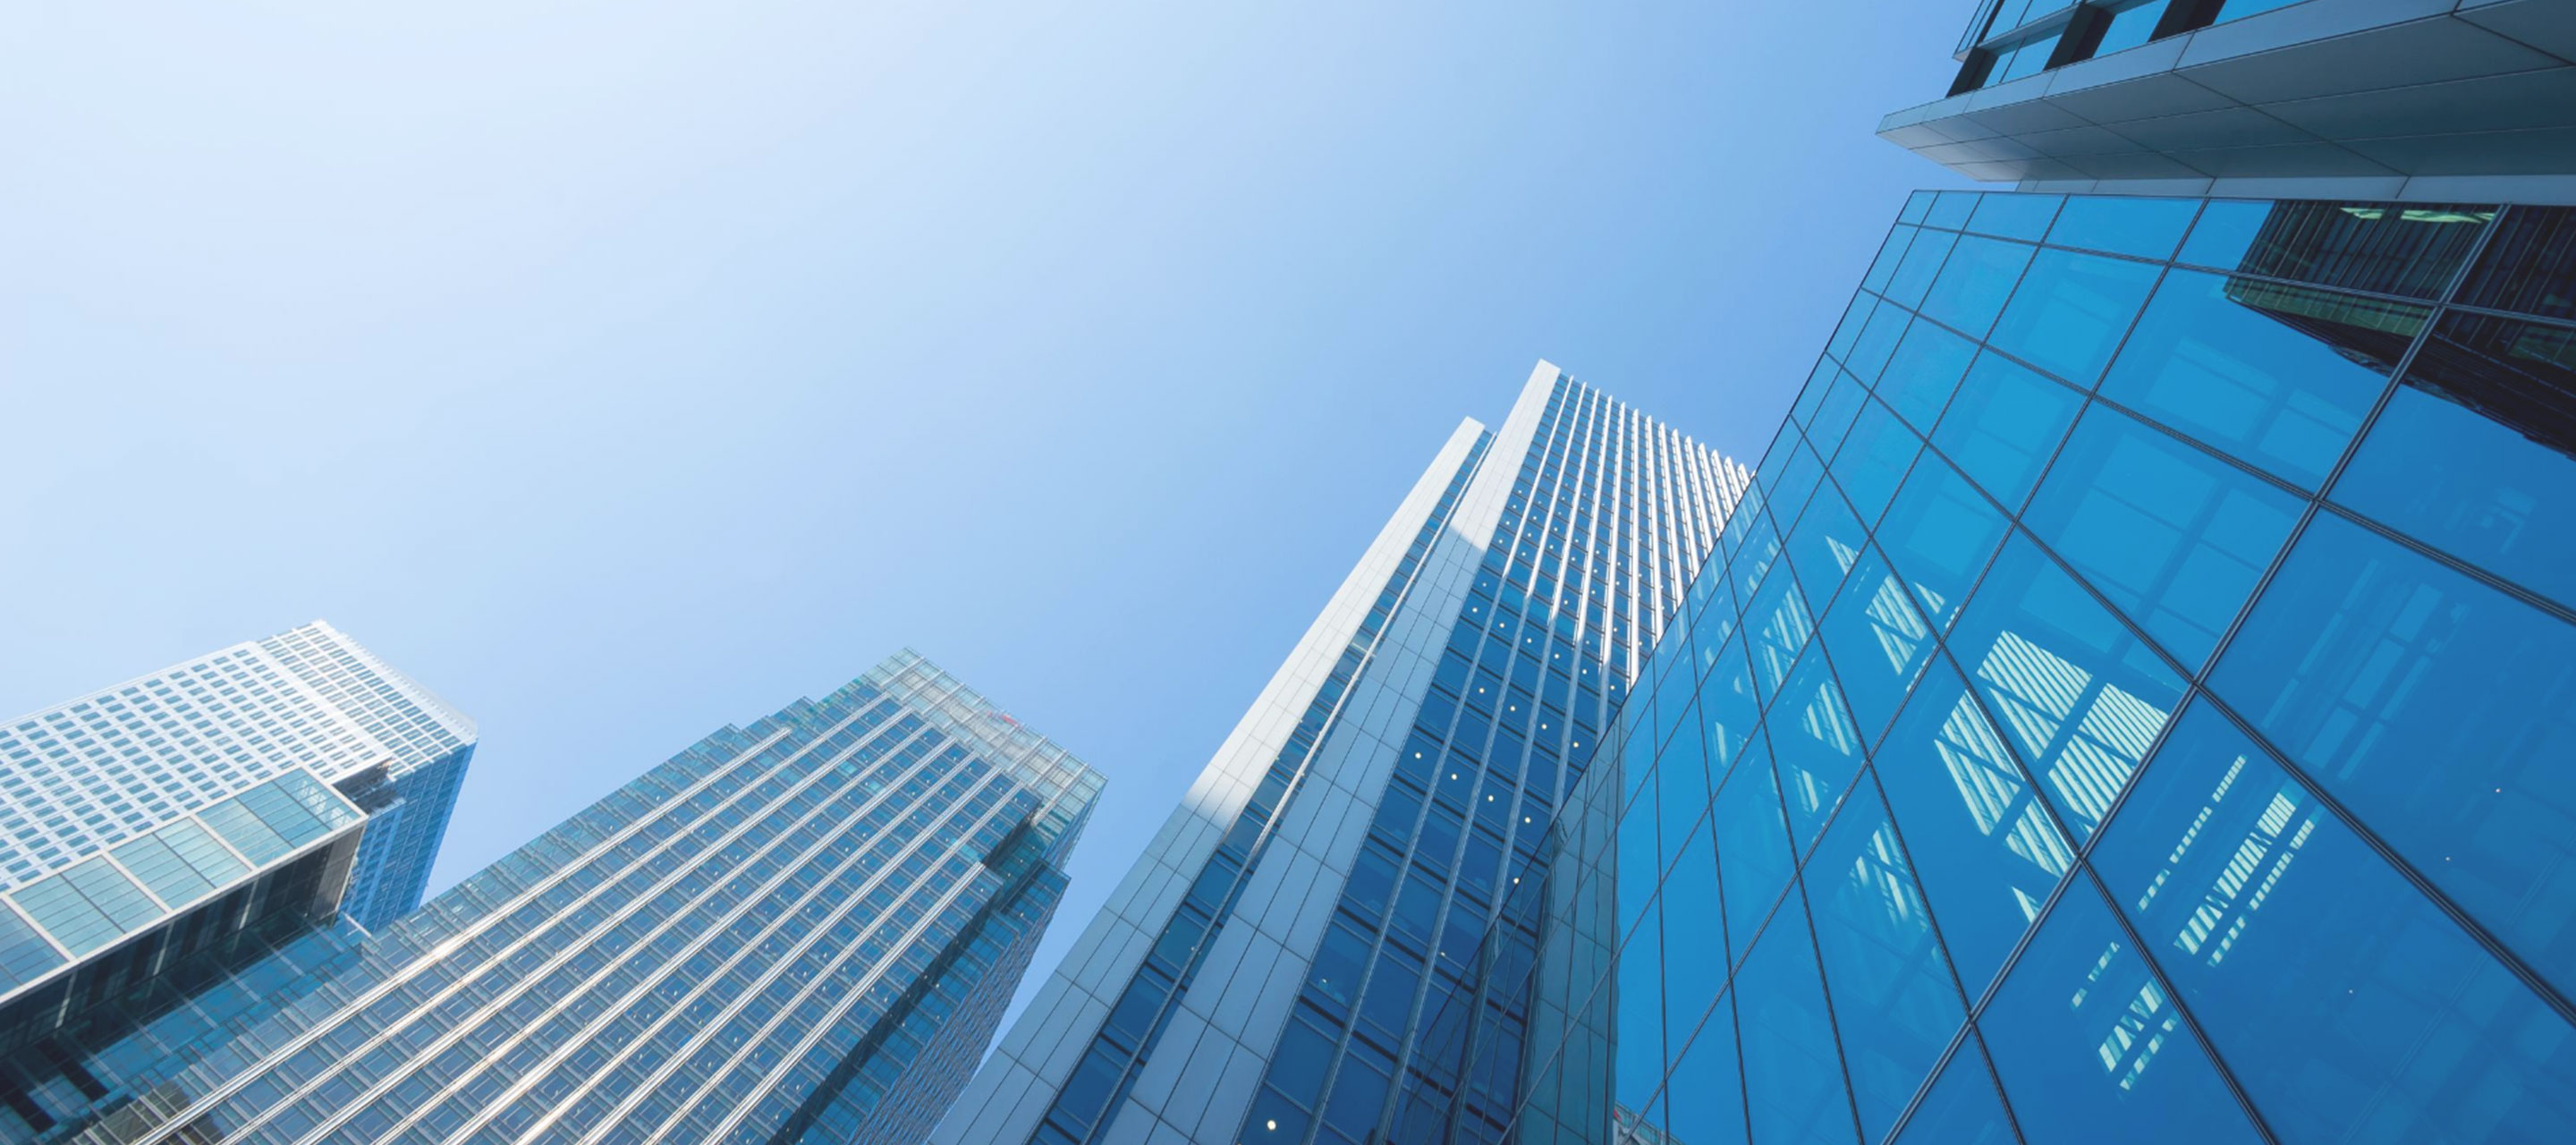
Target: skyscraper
{"x":805,"y":929}
{"x":153,"y":832}
{"x":105,"y":786}
{"x":2133,"y":704}
{"x":1267,"y":962}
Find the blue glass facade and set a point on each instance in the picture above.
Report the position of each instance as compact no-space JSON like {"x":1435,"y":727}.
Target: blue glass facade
{"x":2134,"y":704}
{"x":1583,"y":567}
{"x":801,"y":930}
{"x":1274,"y":965}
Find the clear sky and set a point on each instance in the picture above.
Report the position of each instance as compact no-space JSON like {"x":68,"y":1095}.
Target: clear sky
{"x":622,"y":370}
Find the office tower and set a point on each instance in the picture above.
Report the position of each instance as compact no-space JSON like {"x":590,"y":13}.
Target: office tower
{"x":2412,"y":100}
{"x":1336,"y":863}
{"x":801,"y":930}
{"x":2134,"y":704}
{"x":125,"y":783}
{"x":151,"y":831}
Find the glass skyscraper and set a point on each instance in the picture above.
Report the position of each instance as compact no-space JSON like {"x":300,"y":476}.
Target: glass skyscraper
{"x":2133,"y":704}
{"x":801,"y":930}
{"x":124,"y":784}
{"x":155,"y":831}
{"x":1271,"y":965}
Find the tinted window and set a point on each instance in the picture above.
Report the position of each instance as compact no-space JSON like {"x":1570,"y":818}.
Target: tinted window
{"x":2070,"y":312}
{"x":2440,"y":711}
{"x":2278,"y":375}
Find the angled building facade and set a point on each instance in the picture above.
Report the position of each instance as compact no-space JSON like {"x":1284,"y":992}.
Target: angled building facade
{"x":2134,"y":704}
{"x":801,"y":930}
{"x":2403,"y":100}
{"x":1267,"y":968}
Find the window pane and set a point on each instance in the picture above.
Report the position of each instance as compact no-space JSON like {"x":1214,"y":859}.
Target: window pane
{"x":2092,"y":1050}
{"x":1813,"y":742}
{"x":1869,"y":355}
{"x":2278,"y":375}
{"x":1793,"y":1080}
{"x":2145,"y":228}
{"x":1834,"y":415}
{"x":1962,"y":1108}
{"x":2530,"y":265}
{"x":1922,"y":263}
{"x":1877,"y":642}
{"x":2015,"y":216}
{"x":1986,"y":853}
{"x":1939,"y":534}
{"x":1706,"y":1099}
{"x":2439,"y":711}
{"x":1890,"y":253}
{"x":2318,"y":971}
{"x":1975,"y":282}
{"x":1855,"y":319}
{"x":2070,"y":312}
{"x":2380,"y":247}
{"x":2078,"y":695}
{"x":1892,"y":995}
{"x":2476,"y":453}
{"x":1727,"y":710}
{"x":1825,"y":543}
{"x":1951,"y":209}
{"x":1637,"y":1065}
{"x":1926,"y":368}
{"x":1694,"y":927}
{"x":1873,"y":460}
{"x":1752,"y":848}
{"x":2175,"y":537}
{"x":2004,"y":426}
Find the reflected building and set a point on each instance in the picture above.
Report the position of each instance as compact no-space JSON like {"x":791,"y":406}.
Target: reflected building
{"x":805,"y":929}
{"x":2131,"y":705}
{"x":1274,"y":968}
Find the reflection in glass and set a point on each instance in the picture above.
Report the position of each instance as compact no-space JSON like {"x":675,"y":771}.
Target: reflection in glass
{"x":1939,"y":533}
{"x":1986,"y":853}
{"x":2439,"y":711}
{"x":1793,"y":1080}
{"x":2005,"y":425}
{"x":2176,"y":538}
{"x":2387,"y":248}
{"x":2317,"y":971}
{"x":1873,"y":460}
{"x":2530,"y":264}
{"x":2476,"y":453}
{"x":2079,"y":695}
{"x":2070,"y":311}
{"x":1963,"y":1108}
{"x":2092,"y":1050}
{"x":1975,"y":282}
{"x":1877,"y":642}
{"x":1925,"y":370}
{"x":1893,"y":999}
{"x":1814,"y":745}
{"x":2278,"y":375}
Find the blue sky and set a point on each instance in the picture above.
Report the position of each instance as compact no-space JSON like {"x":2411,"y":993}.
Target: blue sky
{"x":625,"y":370}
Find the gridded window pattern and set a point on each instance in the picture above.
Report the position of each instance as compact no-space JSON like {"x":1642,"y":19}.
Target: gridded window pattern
{"x":98,"y":900}
{"x":86,"y":776}
{"x":1608,"y":517}
{"x":1083,"y":1108}
{"x":801,"y":930}
{"x":2133,"y":705}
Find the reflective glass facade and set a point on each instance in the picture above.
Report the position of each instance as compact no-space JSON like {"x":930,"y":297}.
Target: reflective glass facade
{"x":2134,"y":704}
{"x":80,"y":779}
{"x":1442,"y":706}
{"x":801,"y":930}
